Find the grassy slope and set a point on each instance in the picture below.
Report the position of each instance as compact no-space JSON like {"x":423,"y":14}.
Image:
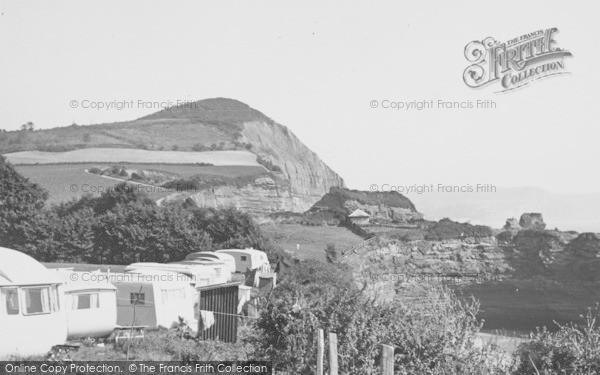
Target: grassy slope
{"x":116,"y":155}
{"x":206,"y":122}
{"x":58,"y":178}
{"x":312,"y":239}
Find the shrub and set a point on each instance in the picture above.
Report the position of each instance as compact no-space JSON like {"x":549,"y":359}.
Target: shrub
{"x":331,"y":253}
{"x":198,"y":147}
{"x":267,"y":164}
{"x":447,"y":229}
{"x":572,"y":349}
{"x":95,"y":170}
{"x":438,"y":338}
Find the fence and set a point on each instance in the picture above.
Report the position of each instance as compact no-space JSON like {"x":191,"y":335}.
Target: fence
{"x":387,"y":355}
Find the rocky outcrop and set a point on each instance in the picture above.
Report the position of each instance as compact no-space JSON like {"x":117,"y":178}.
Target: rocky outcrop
{"x":383,"y":207}
{"x":532,"y":221}
{"x":262,"y":196}
{"x":522,"y":280}
{"x":512,"y":224}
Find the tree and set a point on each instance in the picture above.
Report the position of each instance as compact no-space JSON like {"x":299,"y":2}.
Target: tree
{"x":63,"y":236}
{"x":137,"y":232}
{"x":20,"y":202}
{"x":120,"y":194}
{"x":87,"y":137}
{"x":28,"y":126}
{"x":228,"y":228}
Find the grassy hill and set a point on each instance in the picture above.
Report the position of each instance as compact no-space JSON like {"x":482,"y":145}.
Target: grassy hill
{"x":218,"y":132}
{"x":209,"y":124}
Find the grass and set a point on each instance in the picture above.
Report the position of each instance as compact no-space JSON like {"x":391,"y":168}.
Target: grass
{"x":118,"y":155}
{"x":58,"y":178}
{"x":312,"y":239}
{"x":207,"y":122}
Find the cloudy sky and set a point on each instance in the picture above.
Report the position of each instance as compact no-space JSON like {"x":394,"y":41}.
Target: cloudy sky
{"x":316,"y":67}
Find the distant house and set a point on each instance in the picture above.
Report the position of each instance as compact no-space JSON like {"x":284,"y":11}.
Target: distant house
{"x":359,"y":217}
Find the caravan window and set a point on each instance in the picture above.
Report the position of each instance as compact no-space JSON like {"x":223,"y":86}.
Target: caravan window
{"x":137,"y":298}
{"x":244,"y":258}
{"x":84,"y":301}
{"x":37,"y":300}
{"x":9,"y":301}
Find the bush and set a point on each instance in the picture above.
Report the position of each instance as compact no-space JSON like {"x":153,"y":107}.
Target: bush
{"x":572,"y":349}
{"x":199,"y":147}
{"x":447,"y":229}
{"x":267,"y":164}
{"x":331,"y":253}
{"x":95,"y":170}
{"x":438,"y":338}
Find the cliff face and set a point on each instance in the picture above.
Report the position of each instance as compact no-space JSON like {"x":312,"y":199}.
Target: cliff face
{"x":298,"y":177}
{"x":261,"y":196}
{"x":529,"y":280}
{"x":309,"y":177}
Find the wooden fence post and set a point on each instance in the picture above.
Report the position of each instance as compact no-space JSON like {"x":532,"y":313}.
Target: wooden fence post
{"x":333,"y":354}
{"x":387,"y":360}
{"x":320,"y":351}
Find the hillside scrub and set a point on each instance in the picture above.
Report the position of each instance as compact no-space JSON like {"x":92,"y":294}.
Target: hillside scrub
{"x":435,"y":339}
{"x":447,"y":229}
{"x":336,"y":197}
{"x":573,"y":349}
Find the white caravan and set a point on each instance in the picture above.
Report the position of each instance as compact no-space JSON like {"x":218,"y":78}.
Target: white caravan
{"x":154,"y":298}
{"x":90,"y":304}
{"x":248,"y":259}
{"x":32,"y":319}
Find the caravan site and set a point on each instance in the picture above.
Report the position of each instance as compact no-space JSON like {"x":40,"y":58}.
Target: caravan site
{"x":48,"y":309}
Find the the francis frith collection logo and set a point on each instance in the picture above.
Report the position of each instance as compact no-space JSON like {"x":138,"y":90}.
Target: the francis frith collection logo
{"x":514,"y":63}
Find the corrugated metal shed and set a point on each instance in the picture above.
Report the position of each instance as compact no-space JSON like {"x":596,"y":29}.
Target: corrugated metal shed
{"x":222,"y":301}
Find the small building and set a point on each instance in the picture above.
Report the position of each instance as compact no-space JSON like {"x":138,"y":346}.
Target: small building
{"x":90,"y":302}
{"x":218,"y":305}
{"x":359,"y":217}
{"x":154,"y":298}
{"x":32,"y":319}
{"x":248,"y":259}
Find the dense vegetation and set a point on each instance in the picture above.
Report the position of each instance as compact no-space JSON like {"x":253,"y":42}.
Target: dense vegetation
{"x":447,"y":229}
{"x":335,"y":198}
{"x":573,"y":349}
{"x":119,"y":227}
{"x":436,"y":339}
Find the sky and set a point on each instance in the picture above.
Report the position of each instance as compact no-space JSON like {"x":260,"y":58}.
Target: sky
{"x":316,"y":67}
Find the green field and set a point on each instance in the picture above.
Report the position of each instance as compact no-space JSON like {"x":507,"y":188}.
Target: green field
{"x":312,"y":239}
{"x":118,"y":155}
{"x":67,"y":181}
